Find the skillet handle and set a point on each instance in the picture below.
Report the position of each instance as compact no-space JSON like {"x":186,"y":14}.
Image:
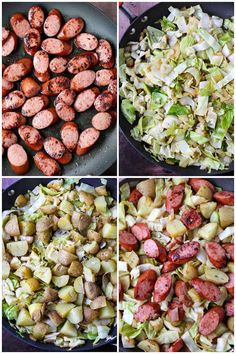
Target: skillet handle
{"x":127,"y":12}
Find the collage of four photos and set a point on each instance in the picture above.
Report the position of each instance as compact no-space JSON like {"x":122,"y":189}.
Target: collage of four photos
{"x":117,"y":176}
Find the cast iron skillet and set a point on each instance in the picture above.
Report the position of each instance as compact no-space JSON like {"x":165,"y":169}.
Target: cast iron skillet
{"x":149,"y":18}
{"x":8,"y":197}
{"x":103,"y":154}
{"x":226,"y":183}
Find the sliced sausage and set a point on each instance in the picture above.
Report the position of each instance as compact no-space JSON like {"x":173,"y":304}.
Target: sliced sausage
{"x":34,"y":105}
{"x":31,"y":137}
{"x":82,"y":80}
{"x":86,"y":99}
{"x":162,"y":287}
{"x":174,"y":242}
{"x":176,"y":346}
{"x":29,"y":87}
{"x":225,"y":198}
{"x":181,"y":292}
{"x":220,"y":311}
{"x":32,"y":41}
{"x":197,"y":183}
{"x":36,"y":17}
{"x":42,"y":77}
{"x":18,"y":159}
{"x":71,"y":29}
{"x":66,"y":158}
{"x":81,"y":151}
{"x":112,"y":87}
{"x":70,"y":135}
{"x":7,"y":86}
{"x":19,"y":24}
{"x":88,"y":137}
{"x":102,"y":121}
{"x":229,"y":249}
{"x":145,"y":285}
{"x":128,"y":241}
{"x":175,"y":311}
{"x":109,"y":64}
{"x":206,"y":289}
{"x":86,"y":41}
{"x":54,"y":147}
{"x":191,"y":219}
{"x":8,"y":138}
{"x":230,"y":285}
{"x":209,"y":323}
{"x":56,"y":47}
{"x":65,"y":112}
{"x":13,"y":101}
{"x":174,"y":198}
{"x":184,"y":253}
{"x":9,"y":45}
{"x":5,"y":34}
{"x":55,"y":85}
{"x":58,"y":65}
{"x":229,"y":308}
{"x":15,"y":72}
{"x":46,"y":164}
{"x":104,"y":51}
{"x":147,"y":312}
{"x":168,"y":267}
{"x":104,"y":101}
{"x":12,"y":120}
{"x":134,"y":196}
{"x":82,"y":62}
{"x":41,"y":62}
{"x":154,"y":249}
{"x":52,"y":23}
{"x":105,"y":76}
{"x":216,"y":254}
{"x":66,"y":96}
{"x":45,"y":118}
{"x":141,"y":231}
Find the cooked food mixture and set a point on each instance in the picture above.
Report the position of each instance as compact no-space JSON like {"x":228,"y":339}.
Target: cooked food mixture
{"x":176,"y":269}
{"x":177,"y":89}
{"x":59,"y":263}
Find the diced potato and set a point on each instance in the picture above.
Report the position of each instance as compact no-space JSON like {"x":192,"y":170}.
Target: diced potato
{"x":63,"y":309}
{"x":86,"y":198}
{"x":55,"y":318}
{"x":216,"y":276}
{"x":66,"y":207}
{"x":104,"y":254}
{"x":59,"y":269}
{"x":189,"y":271}
{"x":125,"y":282}
{"x":127,"y":342}
{"x":30,"y":285}
{"x":60,"y":281}
{"x":51,"y":254}
{"x":230,"y":266}
{"x":49,"y":209}
{"x":208,"y":231}
{"x":64,"y":223}
{"x":75,"y":269}
{"x":107,"y":311}
{"x":109,"y":231}
{"x":5,"y":269}
{"x":76,"y":315}
{"x":194,"y":295}
{"x":15,"y":263}
{"x":18,"y":248}
{"x":98,"y":303}
{"x":145,"y":206}
{"x":132,"y":259}
{"x":36,"y":311}
{"x":21,"y":201}
{"x":66,"y":258}
{"x":207,"y":209}
{"x":44,"y":236}
{"x":175,"y":228}
{"x":24,"y":272}
{"x":113,"y":276}
{"x":91,"y":248}
{"x":230,"y":324}
{"x":226,"y":215}
{"x":100,"y":204}
{"x":67,"y":294}
{"x":12,"y":226}
{"x":49,"y":295}
{"x":89,"y":314}
{"x":43,"y":224}
{"x":149,"y":345}
{"x":215,"y":217}
{"x":197,"y":200}
{"x":79,"y":285}
{"x":80,"y":299}
{"x":94,"y":264}
{"x":101,"y":190}
{"x":44,"y":274}
{"x":24,"y":318}
{"x":109,"y":266}
{"x":27,"y":228}
{"x":40,"y":330}
{"x":89,"y":275}
{"x":69,"y":247}
{"x":157,"y":324}
{"x":205,"y":192}
{"x":147,"y":187}
{"x":69,"y":330}
{"x":94,"y":236}
{"x":91,"y":290}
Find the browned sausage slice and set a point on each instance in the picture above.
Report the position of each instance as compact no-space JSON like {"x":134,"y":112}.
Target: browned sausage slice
{"x":229,"y":308}
{"x":191,"y":219}
{"x":147,"y":312}
{"x":82,"y":62}
{"x":70,"y":135}
{"x":41,"y":62}
{"x":81,"y":151}
{"x":5,"y":34}
{"x":9,"y":45}
{"x":7,"y":86}
{"x":52,"y":23}
{"x":224,"y":197}
{"x":206,"y":289}
{"x":29,"y":87}
{"x":36,"y":17}
{"x":46,"y":164}
{"x":112,"y":87}
{"x":181,"y":292}
{"x":145,"y":285}
{"x":104,"y":51}
{"x":82,"y":80}
{"x":71,"y":29}
{"x":104,"y":101}
{"x":19,"y":24}
{"x":86,"y":41}
{"x":42,"y":77}
{"x":184,"y":253}
{"x":86,"y":99}
{"x":67,"y":96}
{"x":54,"y":147}
{"x":216,"y":254}
{"x":88,"y":137}
{"x":13,"y":101}
{"x":162,"y":287}
{"x":128,"y":241}
{"x":58,"y":65}
{"x":45,"y":118}
{"x":8,"y":138}
{"x":32,"y":41}
{"x":102,"y":121}
{"x":18,"y":159}
{"x":105,"y":76}
{"x":209,"y":322}
{"x":14,"y":72}
{"x":109,"y":64}
{"x":230,"y":285}
{"x":31,"y":137}
{"x":66,"y":158}
{"x":55,"y":85}
{"x":34,"y":105}
{"x":65,"y":112}
{"x":12,"y":120}
{"x":56,"y":46}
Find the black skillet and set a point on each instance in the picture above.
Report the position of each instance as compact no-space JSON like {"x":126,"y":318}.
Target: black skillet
{"x":8,"y":197}
{"x":149,"y":18}
{"x":226,"y":184}
{"x":103,"y":154}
